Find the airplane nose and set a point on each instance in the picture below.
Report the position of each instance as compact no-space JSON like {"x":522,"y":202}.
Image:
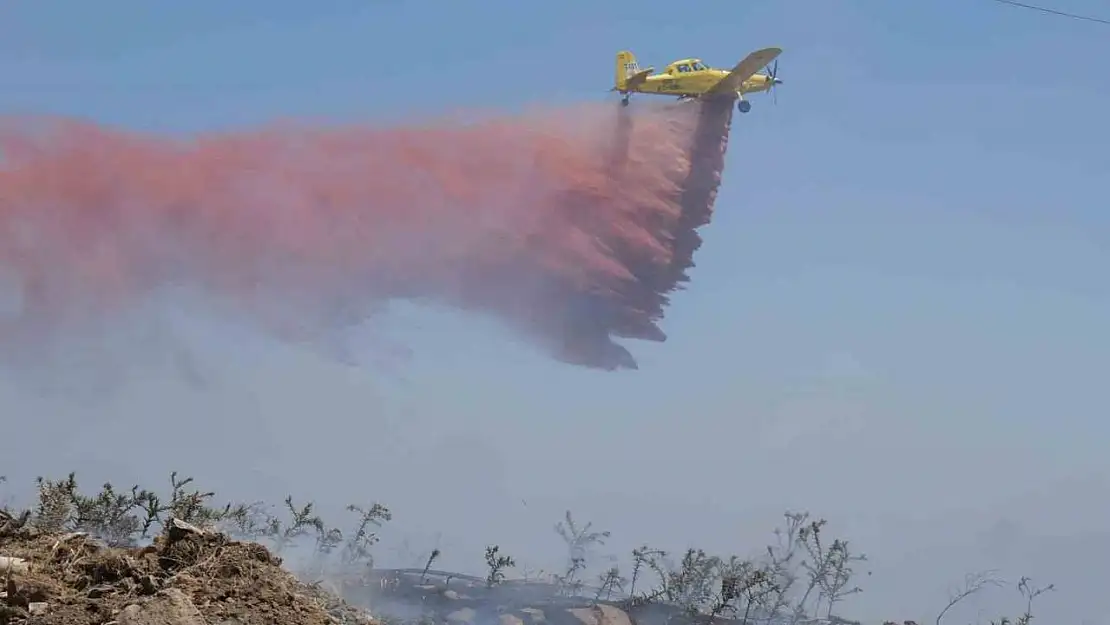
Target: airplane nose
{"x":777,"y":81}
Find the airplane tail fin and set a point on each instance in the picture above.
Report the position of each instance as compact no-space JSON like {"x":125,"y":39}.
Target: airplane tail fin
{"x":626,"y":66}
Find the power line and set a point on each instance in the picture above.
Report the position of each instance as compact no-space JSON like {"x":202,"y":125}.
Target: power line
{"x":1073,"y":16}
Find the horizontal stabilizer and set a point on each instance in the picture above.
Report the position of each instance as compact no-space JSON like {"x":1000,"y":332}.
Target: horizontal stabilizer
{"x":637,"y":79}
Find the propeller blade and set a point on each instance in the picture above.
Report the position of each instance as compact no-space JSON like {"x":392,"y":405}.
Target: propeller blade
{"x":773,"y":72}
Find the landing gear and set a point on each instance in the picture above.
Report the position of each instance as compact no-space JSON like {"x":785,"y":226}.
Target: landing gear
{"x":624,"y":100}
{"x":744,"y":106}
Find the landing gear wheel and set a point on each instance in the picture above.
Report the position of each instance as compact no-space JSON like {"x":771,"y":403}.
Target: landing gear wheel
{"x":744,"y":106}
{"x":624,"y":101}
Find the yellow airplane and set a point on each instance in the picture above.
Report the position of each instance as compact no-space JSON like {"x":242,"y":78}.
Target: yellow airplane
{"x":690,"y":79}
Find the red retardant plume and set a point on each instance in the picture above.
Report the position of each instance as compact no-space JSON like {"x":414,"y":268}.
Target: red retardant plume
{"x":572,"y":226}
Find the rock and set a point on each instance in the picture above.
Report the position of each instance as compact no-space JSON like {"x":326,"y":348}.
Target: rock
{"x":536,"y":615}
{"x":70,"y":536}
{"x":100,"y":591}
{"x":168,"y":607}
{"x":180,"y":529}
{"x":149,"y":584}
{"x":601,"y":615}
{"x":462,"y":615}
{"x":10,"y":564}
{"x":37,"y":608}
{"x":509,"y":619}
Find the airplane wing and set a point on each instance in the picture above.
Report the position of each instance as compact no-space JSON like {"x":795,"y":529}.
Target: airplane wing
{"x":744,"y":70}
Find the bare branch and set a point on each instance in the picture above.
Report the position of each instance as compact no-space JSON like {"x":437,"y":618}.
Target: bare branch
{"x":973,"y":583}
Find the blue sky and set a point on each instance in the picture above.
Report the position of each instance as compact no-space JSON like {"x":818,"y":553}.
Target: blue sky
{"x":898,"y":318}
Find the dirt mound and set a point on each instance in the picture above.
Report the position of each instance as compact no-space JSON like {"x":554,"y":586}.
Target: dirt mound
{"x":188,"y":576}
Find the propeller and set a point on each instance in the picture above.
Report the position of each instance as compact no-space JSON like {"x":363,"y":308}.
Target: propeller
{"x":772,"y":74}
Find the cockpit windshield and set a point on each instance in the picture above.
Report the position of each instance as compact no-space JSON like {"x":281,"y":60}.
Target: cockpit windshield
{"x":691,"y":66}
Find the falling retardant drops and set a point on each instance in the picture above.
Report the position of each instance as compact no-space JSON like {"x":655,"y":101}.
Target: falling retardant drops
{"x":570,"y":225}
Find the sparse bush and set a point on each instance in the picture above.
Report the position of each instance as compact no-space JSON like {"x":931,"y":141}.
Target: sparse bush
{"x":428,"y":565}
{"x":975,"y":583}
{"x":1029,"y":592}
{"x":763,"y":590}
{"x":358,"y":548}
{"x":5,"y":504}
{"x":122,"y":518}
{"x":800,"y":576}
{"x":133,"y":517}
{"x":580,"y":542}
{"x":496,"y":565}
{"x":610,"y":581}
{"x":829,"y":567}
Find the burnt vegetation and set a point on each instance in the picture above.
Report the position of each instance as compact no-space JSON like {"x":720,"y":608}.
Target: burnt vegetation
{"x":74,"y":558}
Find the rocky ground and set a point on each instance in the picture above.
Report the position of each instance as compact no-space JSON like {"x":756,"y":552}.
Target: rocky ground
{"x":194,"y":575}
{"x":191,"y":576}
{"x":186,"y":577}
{"x":441,"y":597}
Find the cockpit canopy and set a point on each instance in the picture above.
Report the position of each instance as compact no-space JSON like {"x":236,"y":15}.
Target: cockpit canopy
{"x":687,"y":65}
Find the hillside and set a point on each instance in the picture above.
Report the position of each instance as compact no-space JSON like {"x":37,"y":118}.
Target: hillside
{"x":135,"y":558}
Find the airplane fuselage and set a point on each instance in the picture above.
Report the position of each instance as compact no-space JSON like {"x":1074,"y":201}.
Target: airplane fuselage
{"x":696,"y":83}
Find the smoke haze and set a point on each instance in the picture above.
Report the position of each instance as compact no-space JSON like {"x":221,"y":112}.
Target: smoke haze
{"x":897,"y":320}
